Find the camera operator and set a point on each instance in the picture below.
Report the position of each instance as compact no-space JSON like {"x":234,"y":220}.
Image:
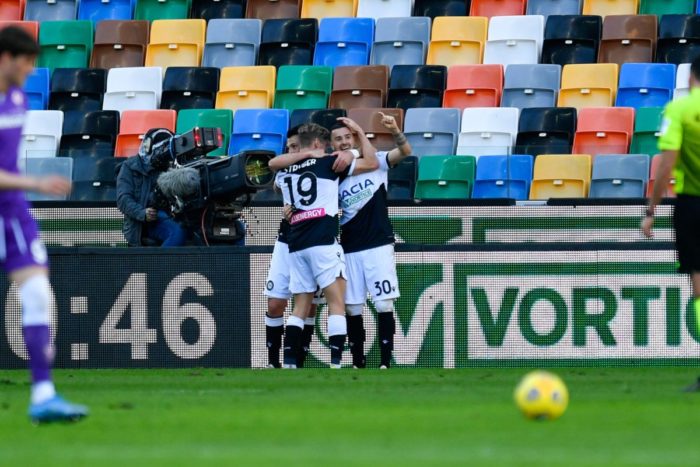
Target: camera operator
{"x":144,"y":224}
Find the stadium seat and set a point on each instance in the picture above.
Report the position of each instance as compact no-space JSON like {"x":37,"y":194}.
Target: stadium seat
{"x":93,"y":191}
{"x":546,"y":131}
{"x":215,"y":118}
{"x":273,"y":9}
{"x":514,"y":39}
{"x":647,"y":127}
{"x":370,"y":120}
{"x":610,"y":7}
{"x":646,"y":84}
{"x":30,"y":27}
{"x":303,"y":87}
{"x":120,"y":44}
{"x":682,"y":81}
{"x":344,"y":41}
{"x":561,"y":176}
{"x":571,"y":39}
{"x":100,"y":10}
{"x":531,"y":86}
{"x":435,"y":8}
{"x":619,"y":176}
{"x":12,"y":10}
{"x":324,"y":117}
{"x":402,"y":179}
{"x":41,"y":133}
{"x":89,"y":134}
{"x":445,"y":177}
{"x":176,"y":43}
{"x":133,"y":89}
{"x":490,"y":8}
{"x":151,"y":10}
{"x":135,"y":123}
{"x":670,"y":190}
{"x":605,"y":130}
{"x":242,"y":87}
{"x":77,"y":89}
{"x":670,"y":7}
{"x":679,"y":39}
{"x":384,"y":8}
{"x":189,"y":88}
{"x":400,"y":41}
{"x":457,"y":41}
{"x":65,"y":44}
{"x":48,"y":166}
{"x":232,"y":42}
{"x":288,"y":42}
{"x":217,"y":9}
{"x":588,"y":85}
{"x":432,"y":131}
{"x":473,"y":86}
{"x":488,"y":130}
{"x":328,"y":8}
{"x":36,"y":88}
{"x":548,"y":8}
{"x":50,"y":10}
{"x":264,"y":130}
{"x":359,"y":87}
{"x":628,"y":39}
{"x":503,"y":177}
{"x":412,"y":86}
{"x":103,"y":170}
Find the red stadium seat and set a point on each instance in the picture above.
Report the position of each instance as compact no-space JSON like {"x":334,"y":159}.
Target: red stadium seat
{"x":670,"y":192}
{"x":135,"y":123}
{"x":31,"y":27}
{"x":604,"y":130}
{"x":473,"y":86}
{"x":489,"y":8}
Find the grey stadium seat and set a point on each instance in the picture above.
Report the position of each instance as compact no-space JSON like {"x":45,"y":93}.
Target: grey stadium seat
{"x":432,"y":131}
{"x":619,"y":176}
{"x":528,"y":86}
{"x":401,"y":41}
{"x":232,"y":42}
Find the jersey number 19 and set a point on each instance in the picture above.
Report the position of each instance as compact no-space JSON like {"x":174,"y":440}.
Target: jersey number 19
{"x":306,"y":187}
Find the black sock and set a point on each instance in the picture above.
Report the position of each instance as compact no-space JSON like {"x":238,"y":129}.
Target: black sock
{"x":273,"y":338}
{"x":306,"y":334}
{"x":386,"y":326}
{"x":356,"y":340}
{"x":337,"y":345}
{"x":292,"y":342}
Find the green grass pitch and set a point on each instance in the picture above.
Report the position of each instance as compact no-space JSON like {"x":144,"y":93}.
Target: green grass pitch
{"x":617,"y":417}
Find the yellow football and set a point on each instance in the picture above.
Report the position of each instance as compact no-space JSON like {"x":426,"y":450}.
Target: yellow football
{"x":541,"y":395}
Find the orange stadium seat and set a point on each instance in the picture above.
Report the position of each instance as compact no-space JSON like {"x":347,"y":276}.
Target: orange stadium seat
{"x":605,"y":130}
{"x":473,"y":86}
{"x":135,"y":123}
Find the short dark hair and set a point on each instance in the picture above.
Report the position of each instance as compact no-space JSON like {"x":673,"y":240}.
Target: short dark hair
{"x":695,"y":68}
{"x":16,"y":41}
{"x":338,"y":126}
{"x":311,"y":131}
{"x":293,"y":131}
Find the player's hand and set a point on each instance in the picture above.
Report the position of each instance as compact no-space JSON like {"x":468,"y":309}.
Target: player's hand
{"x":288,"y":211}
{"x":647,"y":225}
{"x":389,"y":123}
{"x":151,"y":214}
{"x":54,"y":185}
{"x":343,"y":161}
{"x":352,"y":125}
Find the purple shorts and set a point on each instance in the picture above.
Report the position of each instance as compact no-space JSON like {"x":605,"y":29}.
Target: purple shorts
{"x":20,"y":245}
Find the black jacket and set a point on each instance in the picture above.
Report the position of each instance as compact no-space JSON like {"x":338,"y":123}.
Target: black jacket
{"x":135,"y":182}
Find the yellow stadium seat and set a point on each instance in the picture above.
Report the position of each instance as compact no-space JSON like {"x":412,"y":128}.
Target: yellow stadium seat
{"x":457,"y":40}
{"x":246,"y":87}
{"x":610,"y":7}
{"x":561,"y":176}
{"x":178,"y":42}
{"x":588,"y":85}
{"x":328,"y":8}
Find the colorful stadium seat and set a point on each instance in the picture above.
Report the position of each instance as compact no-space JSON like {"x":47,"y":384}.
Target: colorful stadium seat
{"x":135,"y":123}
{"x":679,"y":39}
{"x":503,"y":177}
{"x":359,"y":87}
{"x":89,"y":134}
{"x":670,"y":190}
{"x":400,"y":41}
{"x":670,"y":7}
{"x":344,"y":41}
{"x":189,"y":88}
{"x":628,"y":39}
{"x":324,"y":117}
{"x":432,"y":131}
{"x":273,"y":9}
{"x":48,"y":166}
{"x":457,"y":40}
{"x":94,"y":191}
{"x":328,"y":8}
{"x":571,"y":39}
{"x":176,"y":43}
{"x":647,"y":126}
{"x":50,"y":10}
{"x":77,"y":89}
{"x":264,"y":130}
{"x":561,"y":176}
{"x":86,"y":169}
{"x":402,"y":179}
{"x":249,"y":87}
{"x":473,"y":86}
{"x":445,"y":177}
{"x":100,"y":10}
{"x":151,"y":10}
{"x":490,"y":8}
{"x":30,"y":27}
{"x":303,"y":87}
{"x":384,"y":8}
{"x":487,"y":130}
{"x":546,"y":131}
{"x":610,"y":7}
{"x":36,"y":88}
{"x":120,"y":44}
{"x":41,"y":133}
{"x":435,"y":8}
{"x":133,"y":89}
{"x":370,"y":120}
{"x":682,"y":81}
{"x":604,"y":130}
{"x":531,"y":86}
{"x":12,"y":10}
{"x":213,"y":9}
{"x":232,"y":42}
{"x":215,"y":118}
{"x":514,"y":39}
{"x":65,"y":44}
{"x":548,"y":8}
{"x":646,"y":84}
{"x":412,"y":86}
{"x":619,"y":176}
{"x":288,"y":42}
{"x":588,"y":85}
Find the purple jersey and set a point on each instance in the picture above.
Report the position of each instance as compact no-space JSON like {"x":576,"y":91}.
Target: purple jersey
{"x":12,"y":110}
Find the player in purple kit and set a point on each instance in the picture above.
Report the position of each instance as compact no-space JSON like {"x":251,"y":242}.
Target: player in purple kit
{"x":22,"y":254}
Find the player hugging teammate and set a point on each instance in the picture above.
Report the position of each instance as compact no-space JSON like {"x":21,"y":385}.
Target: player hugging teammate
{"x":313,"y":183}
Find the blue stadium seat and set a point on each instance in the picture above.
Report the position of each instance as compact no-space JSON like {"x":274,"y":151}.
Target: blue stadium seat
{"x":554,"y":7}
{"x":503,"y":177}
{"x":259,"y":129}
{"x":232,"y":42}
{"x":36,"y":88}
{"x":432,"y":131}
{"x":531,"y":86}
{"x":344,"y":41}
{"x":46,"y":166}
{"x":646,"y":84}
{"x":53,"y":10}
{"x":98,"y":10}
{"x":619,"y":176}
{"x":401,"y":41}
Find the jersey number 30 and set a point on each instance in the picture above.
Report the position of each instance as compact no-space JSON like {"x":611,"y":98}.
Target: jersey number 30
{"x":306,"y":188}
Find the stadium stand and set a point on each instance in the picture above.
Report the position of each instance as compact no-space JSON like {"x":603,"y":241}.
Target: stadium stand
{"x":506,"y":176}
{"x":344,"y":41}
{"x":370,"y":120}
{"x":549,"y":8}
{"x":628,"y":39}
{"x":384,"y":8}
{"x":37,"y":89}
{"x":357,"y":87}
{"x":41,"y":134}
{"x":669,"y":192}
{"x":151,"y":10}
{"x":232,"y":42}
{"x":328,"y":8}
{"x":272,"y":9}
{"x":619,"y":176}
{"x":561,"y":176}
{"x":324,"y":117}
{"x":400,"y":41}
{"x":120,"y":44}
{"x":432,"y":131}
{"x":605,"y":130}
{"x":189,"y":88}
{"x":679,"y":39}
{"x":546,"y":131}
{"x":288,"y":42}
{"x":531,"y":86}
{"x":137,"y":88}
{"x":303,"y":87}
{"x":53,"y":10}
{"x":645,"y":84}
{"x":445,"y":177}
{"x":571,"y":39}
{"x":434,"y":8}
{"x":610,"y":7}
{"x":491,"y":8}
{"x":264,"y":130}
{"x":214,"y":9}
{"x":246,"y":88}
{"x":215,"y":118}
{"x":682,"y":80}
{"x":89,"y":134}
{"x":176,"y":43}
{"x":473,"y":86}
{"x":65,"y":44}
{"x":12,"y":10}
{"x":457,"y":40}
{"x":413,"y":86}
{"x":588,"y":85}
{"x":135,"y":123}
{"x":77,"y":89}
{"x":647,"y":125}
{"x":45,"y":166}
{"x":514,"y":39}
{"x":488,"y":130}
{"x":96,"y":11}
{"x":402,"y":179}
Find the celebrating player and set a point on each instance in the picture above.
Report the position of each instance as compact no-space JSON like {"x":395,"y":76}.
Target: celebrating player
{"x":22,"y":253}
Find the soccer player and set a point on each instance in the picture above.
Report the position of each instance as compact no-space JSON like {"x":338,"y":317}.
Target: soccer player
{"x":22,"y":253}
{"x":310,"y":185}
{"x":680,"y":154}
{"x":367,"y":238}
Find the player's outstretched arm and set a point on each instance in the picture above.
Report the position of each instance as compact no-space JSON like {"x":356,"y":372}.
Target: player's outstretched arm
{"x":57,"y":186}
{"x":285,"y":160}
{"x":403,"y":147}
{"x":368,"y":162}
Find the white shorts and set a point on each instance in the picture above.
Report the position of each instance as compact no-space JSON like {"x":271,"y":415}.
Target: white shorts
{"x":371,"y":271}
{"x":316,"y":268}
{"x":277,"y":284}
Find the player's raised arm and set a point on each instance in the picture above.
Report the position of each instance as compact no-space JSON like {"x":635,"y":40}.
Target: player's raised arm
{"x":403,"y":147}
{"x":368,"y":162}
{"x":285,"y":160}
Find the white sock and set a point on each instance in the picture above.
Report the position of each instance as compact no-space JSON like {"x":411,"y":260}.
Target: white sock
{"x":310,"y":322}
{"x":337,"y":325}
{"x":295,"y":321}
{"x":43,"y":391}
{"x":274,"y":322}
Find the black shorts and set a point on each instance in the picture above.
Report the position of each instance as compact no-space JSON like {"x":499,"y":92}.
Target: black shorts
{"x":686,"y":222}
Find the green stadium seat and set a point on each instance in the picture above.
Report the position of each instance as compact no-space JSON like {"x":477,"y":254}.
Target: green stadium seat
{"x":303,"y":87}
{"x":666,"y":7}
{"x":647,"y":124}
{"x":65,"y":44}
{"x":445,"y":177}
{"x":219,"y":118}
{"x":162,"y":9}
